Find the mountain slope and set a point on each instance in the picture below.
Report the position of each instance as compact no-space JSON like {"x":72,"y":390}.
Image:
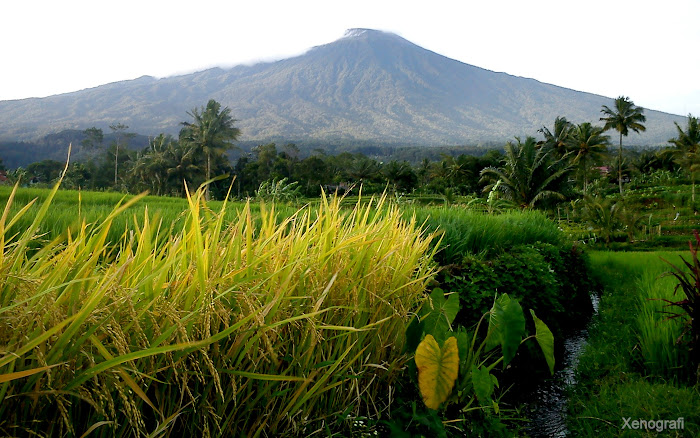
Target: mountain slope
{"x":367,"y":86}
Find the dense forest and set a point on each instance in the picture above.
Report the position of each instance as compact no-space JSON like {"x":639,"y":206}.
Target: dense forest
{"x":558,"y":162}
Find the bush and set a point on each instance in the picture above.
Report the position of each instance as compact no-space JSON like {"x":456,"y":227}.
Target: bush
{"x":551,"y":280}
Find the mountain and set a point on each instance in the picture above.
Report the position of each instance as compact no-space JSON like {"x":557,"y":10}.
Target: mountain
{"x":367,"y":87}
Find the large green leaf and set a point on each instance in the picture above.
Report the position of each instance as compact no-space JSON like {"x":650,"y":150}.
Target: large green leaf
{"x":506,"y":326}
{"x":414,"y":331}
{"x":439,"y":313}
{"x":545,"y":338}
{"x":484,"y":383}
{"x":437,"y":369}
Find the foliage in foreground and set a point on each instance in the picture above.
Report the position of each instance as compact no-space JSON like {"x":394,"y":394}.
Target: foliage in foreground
{"x":211,"y":330}
{"x":454,"y":368}
{"x":687,"y":308}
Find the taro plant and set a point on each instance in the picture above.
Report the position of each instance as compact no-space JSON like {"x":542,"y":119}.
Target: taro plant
{"x":455,"y":367}
{"x":689,"y":304}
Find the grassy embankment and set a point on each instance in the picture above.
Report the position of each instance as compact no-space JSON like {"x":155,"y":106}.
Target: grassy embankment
{"x":632,"y":366}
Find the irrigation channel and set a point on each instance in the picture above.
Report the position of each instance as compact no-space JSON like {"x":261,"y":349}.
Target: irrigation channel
{"x":547,"y":406}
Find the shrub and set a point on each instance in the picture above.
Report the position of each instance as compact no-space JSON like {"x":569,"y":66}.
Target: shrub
{"x":551,"y":280}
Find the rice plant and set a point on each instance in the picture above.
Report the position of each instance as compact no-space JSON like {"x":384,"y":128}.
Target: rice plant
{"x":472,"y":232}
{"x":658,"y":336}
{"x":262,"y":326}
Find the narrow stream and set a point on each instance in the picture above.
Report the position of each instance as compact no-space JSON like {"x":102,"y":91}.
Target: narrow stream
{"x":547,"y":411}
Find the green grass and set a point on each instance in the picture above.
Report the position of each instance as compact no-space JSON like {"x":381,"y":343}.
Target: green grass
{"x":657,"y":334}
{"x":624,"y":371}
{"x":69,"y":208}
{"x":468,"y":232}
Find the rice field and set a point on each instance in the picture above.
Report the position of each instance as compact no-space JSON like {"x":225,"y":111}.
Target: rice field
{"x":661,"y":350}
{"x":70,"y":208}
{"x":466,"y":231}
{"x":257,"y":325}
{"x":632,"y":366}
{"x":138,"y":315}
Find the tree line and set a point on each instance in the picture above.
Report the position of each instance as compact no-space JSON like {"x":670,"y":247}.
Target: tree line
{"x":527,"y":172}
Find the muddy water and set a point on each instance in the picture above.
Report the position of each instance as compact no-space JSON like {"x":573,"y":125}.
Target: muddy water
{"x":547,"y":411}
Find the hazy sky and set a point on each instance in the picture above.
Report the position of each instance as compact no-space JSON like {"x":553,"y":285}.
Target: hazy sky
{"x":647,"y":50}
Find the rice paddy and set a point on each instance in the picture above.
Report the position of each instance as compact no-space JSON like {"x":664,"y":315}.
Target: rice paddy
{"x":206,"y":327}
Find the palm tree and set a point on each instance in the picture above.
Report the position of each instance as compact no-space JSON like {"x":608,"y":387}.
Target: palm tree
{"x":151,"y":166}
{"x":423,"y":171}
{"x":603,"y":215}
{"x":622,"y":118}
{"x":183,"y":167}
{"x":529,"y":175}
{"x":687,"y":151}
{"x":401,"y":175}
{"x":211,"y":132}
{"x":589,"y":144}
{"x":557,"y":140}
{"x":364,"y":169}
{"x":457,"y":171}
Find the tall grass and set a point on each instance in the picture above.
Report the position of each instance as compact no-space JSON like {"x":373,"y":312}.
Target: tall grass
{"x":656,"y":336}
{"x":472,"y":232}
{"x":292,"y":326}
{"x":660,"y":337}
{"x":626,"y":369}
{"x":69,"y":208}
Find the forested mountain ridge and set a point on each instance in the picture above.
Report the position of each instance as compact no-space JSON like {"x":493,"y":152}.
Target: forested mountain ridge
{"x":369,"y":86}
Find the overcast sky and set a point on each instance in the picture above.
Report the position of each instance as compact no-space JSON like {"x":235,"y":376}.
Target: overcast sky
{"x":647,"y":50}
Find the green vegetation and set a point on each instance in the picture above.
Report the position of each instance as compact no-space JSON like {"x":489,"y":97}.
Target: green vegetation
{"x":139,"y":369}
{"x":623,"y":117}
{"x":470,"y":231}
{"x":213,"y":330}
{"x":302,"y":314}
{"x":528,"y":176}
{"x":455,"y":368}
{"x":589,"y":146}
{"x":687,"y":149}
{"x":211,"y":132}
{"x":630,"y":365}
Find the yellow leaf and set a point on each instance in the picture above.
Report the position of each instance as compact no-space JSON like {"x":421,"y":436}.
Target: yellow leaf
{"x":437,"y":369}
{"x":19,"y":374}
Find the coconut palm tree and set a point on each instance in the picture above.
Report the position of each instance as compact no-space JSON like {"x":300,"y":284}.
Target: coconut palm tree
{"x":588,"y":144}
{"x":364,"y":169}
{"x":119,"y":130}
{"x":529,"y":174}
{"x":211,"y":132}
{"x":687,"y":149}
{"x":603,"y":215}
{"x":623,"y":117}
{"x":557,"y":139}
{"x":152,"y":164}
{"x":183,"y":167}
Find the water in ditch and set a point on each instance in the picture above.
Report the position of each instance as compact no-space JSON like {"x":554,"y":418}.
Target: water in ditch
{"x":547,"y":410}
